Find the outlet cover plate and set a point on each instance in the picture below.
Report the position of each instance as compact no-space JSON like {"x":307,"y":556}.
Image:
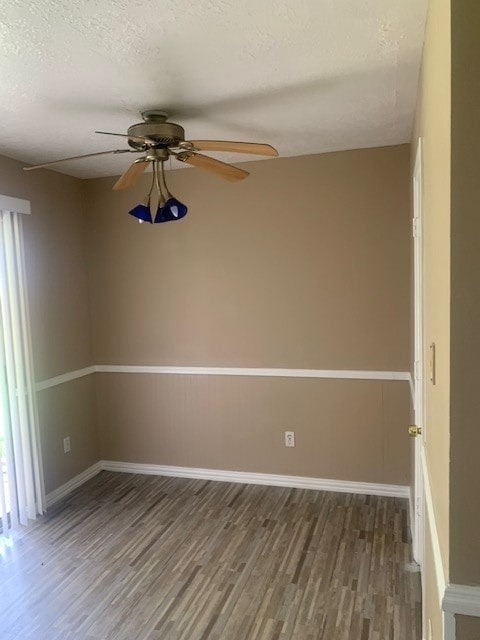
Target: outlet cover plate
{"x":289,"y":438}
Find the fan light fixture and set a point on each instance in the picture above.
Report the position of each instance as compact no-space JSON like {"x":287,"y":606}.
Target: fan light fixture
{"x":142,"y":212}
{"x":169,"y":208}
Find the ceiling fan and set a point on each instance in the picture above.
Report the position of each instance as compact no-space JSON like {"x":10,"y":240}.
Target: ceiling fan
{"x":159,"y":140}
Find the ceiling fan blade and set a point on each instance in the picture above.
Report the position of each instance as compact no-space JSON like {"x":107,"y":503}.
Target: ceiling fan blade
{"x":140,"y":139}
{"x":237,"y":147}
{"x":131,"y":176}
{"x":87,"y":155}
{"x":227,"y":171}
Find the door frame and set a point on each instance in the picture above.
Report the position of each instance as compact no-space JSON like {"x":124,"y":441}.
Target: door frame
{"x":418,"y":524}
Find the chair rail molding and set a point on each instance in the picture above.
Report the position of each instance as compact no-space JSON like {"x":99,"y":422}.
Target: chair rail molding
{"x":462,"y":599}
{"x":332,"y":374}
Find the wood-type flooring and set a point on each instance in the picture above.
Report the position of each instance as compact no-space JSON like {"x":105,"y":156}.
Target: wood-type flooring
{"x":135,"y":557}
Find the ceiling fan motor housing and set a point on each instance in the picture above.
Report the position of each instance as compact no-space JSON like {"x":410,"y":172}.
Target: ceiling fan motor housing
{"x":164,"y":134}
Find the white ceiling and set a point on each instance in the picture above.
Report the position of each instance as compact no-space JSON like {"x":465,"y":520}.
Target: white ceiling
{"x":307,"y":76}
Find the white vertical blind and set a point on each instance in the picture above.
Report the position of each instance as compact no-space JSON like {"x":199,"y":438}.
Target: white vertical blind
{"x":22,"y":493}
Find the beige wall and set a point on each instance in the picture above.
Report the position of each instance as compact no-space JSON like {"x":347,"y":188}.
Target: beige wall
{"x":447,"y":121}
{"x":307,"y":249}
{"x":60,"y":323}
{"x":55,"y":261}
{"x":345,"y":429}
{"x":467,"y":628}
{"x":68,"y":409}
{"x":465,"y":315}
{"x":432,"y":125}
{"x":304,"y":265}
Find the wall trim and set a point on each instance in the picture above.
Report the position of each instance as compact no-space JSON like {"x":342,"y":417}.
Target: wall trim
{"x":449,"y":626}
{"x":448,"y":620}
{"x":411,"y":510}
{"x":65,"y":489}
{"x":412,"y":388}
{"x":15,"y":205}
{"x":256,"y":372}
{"x":247,"y":477}
{"x":462,"y":599}
{"x":430,"y":514}
{"x":454,"y":599}
{"x":221,"y":475}
{"x":339,"y":374}
{"x":64,"y":377}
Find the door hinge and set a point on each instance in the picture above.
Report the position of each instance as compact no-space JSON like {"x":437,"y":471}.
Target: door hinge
{"x":419,"y":508}
{"x":415,"y":227}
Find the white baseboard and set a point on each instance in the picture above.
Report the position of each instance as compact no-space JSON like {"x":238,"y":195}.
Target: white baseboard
{"x":74,"y":483}
{"x":246,"y":477}
{"x":241,"y":477}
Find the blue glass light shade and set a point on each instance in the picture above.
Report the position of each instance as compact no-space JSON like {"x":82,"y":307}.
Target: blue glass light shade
{"x":172,"y":210}
{"x":142,"y":213}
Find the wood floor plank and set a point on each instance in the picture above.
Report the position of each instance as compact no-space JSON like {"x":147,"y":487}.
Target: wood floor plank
{"x":131,"y":557}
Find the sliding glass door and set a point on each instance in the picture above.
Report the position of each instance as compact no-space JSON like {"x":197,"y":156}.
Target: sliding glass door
{"x":21,"y":487}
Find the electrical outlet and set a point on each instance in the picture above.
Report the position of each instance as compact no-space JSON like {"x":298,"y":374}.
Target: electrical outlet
{"x":289,"y":438}
{"x":66,"y":445}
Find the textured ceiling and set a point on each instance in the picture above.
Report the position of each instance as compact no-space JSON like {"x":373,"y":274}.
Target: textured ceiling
{"x":307,"y":76}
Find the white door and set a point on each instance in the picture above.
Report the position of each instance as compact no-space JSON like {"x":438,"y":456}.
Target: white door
{"x":418,"y":430}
